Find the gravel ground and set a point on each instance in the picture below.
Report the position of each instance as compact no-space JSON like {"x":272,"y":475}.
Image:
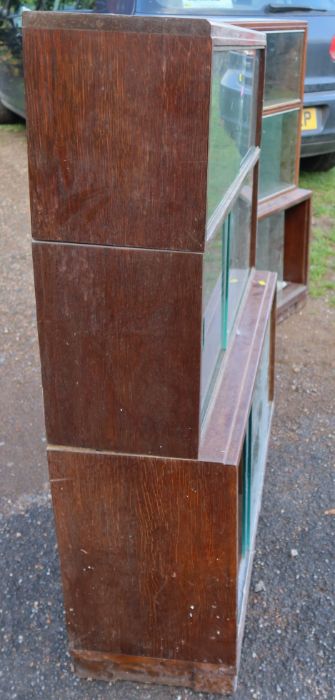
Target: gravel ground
{"x":288,"y":649}
{"x":22,"y":440}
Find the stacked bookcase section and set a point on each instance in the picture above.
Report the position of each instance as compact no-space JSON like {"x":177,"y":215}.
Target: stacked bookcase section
{"x":284,"y":209}
{"x":156,"y":334}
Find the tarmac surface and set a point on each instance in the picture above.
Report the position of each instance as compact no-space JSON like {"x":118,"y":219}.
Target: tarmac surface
{"x":289,"y":643}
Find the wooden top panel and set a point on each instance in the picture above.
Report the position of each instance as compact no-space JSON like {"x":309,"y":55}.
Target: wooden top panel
{"x":221,"y":33}
{"x":265,"y":25}
{"x":224,"y":430}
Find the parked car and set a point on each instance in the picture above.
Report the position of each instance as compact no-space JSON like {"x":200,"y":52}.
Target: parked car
{"x":318,"y":128}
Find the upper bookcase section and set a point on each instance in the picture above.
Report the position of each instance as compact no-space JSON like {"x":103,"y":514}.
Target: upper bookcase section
{"x":122,"y":137}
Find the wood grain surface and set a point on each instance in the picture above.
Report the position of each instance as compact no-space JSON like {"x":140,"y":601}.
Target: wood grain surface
{"x":120,"y":136}
{"x":296,"y":243}
{"x":290,"y":300}
{"x":282,"y":201}
{"x":209,"y":678}
{"x":120,"y":343}
{"x":224,"y":430}
{"x":148,"y":550}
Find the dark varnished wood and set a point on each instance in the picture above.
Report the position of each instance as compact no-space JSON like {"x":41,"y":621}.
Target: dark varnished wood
{"x":297,"y":206}
{"x":266,"y":25}
{"x":296,"y":245}
{"x":295,"y":201}
{"x":224,"y":430}
{"x":290,"y":299}
{"x":282,"y":201}
{"x":149,"y":555}
{"x":160,"y":537}
{"x":146,"y":505}
{"x":221,"y":33}
{"x":121,"y":137}
{"x":209,"y":678}
{"x":120,"y":338}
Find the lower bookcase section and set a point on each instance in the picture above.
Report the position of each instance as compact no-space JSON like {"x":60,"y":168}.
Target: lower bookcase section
{"x":148,"y":559}
{"x":155,"y":551}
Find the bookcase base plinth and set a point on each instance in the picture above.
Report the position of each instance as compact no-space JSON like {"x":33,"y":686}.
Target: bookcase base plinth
{"x":208,"y":678}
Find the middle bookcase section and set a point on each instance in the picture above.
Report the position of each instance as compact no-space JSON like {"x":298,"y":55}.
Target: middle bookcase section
{"x":233,"y":117}
{"x":120,"y":334}
{"x":226,"y":270}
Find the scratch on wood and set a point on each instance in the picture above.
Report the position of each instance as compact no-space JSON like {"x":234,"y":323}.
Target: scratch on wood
{"x":67,"y":478}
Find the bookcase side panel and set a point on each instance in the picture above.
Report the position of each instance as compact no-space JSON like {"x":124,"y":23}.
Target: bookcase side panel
{"x":118,"y":136}
{"x":148,"y":555}
{"x":120,"y":341}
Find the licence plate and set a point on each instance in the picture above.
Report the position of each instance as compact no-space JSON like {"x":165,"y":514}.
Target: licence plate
{"x":309,"y":119}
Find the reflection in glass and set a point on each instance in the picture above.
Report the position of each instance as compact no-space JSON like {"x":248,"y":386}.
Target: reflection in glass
{"x":261,"y":414}
{"x":278,"y":152}
{"x":283,"y":65}
{"x":239,"y":252}
{"x":213,"y":307}
{"x":244,"y":502}
{"x":232,"y":119}
{"x":226,"y":268}
{"x":270,"y":244}
{"x":252,"y":464}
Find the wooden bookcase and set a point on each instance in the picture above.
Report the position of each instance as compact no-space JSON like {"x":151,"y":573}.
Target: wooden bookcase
{"x":284,"y":210}
{"x":156,"y":335}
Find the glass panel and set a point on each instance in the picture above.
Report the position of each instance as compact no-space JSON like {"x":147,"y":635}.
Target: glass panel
{"x":283,"y":66}
{"x":225,"y":275}
{"x":270,"y":244}
{"x":246,"y":464}
{"x":278,"y":152}
{"x":252,"y":464}
{"x":261,"y":413}
{"x":232,"y":119}
{"x":244,"y":482}
{"x":239,"y":251}
{"x":213,"y":306}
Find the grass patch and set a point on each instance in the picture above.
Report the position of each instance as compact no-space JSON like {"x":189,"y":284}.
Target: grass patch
{"x":17,"y":126}
{"x":322,"y":255}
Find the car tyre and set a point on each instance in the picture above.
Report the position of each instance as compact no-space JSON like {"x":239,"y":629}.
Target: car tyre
{"x":6,"y":116}
{"x":320,"y":163}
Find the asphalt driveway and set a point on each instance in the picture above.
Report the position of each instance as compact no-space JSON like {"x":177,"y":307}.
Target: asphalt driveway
{"x":288,"y":650}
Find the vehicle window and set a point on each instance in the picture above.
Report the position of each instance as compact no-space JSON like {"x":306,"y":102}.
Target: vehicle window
{"x":68,"y":5}
{"x":118,"y":7}
{"x":14,"y":8}
{"x":225,"y":7}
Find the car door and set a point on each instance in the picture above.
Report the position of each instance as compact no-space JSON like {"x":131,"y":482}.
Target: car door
{"x":11,"y":69}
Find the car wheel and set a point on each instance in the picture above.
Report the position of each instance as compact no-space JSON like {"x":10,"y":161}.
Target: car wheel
{"x":318,"y":163}
{"x":6,"y":117}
